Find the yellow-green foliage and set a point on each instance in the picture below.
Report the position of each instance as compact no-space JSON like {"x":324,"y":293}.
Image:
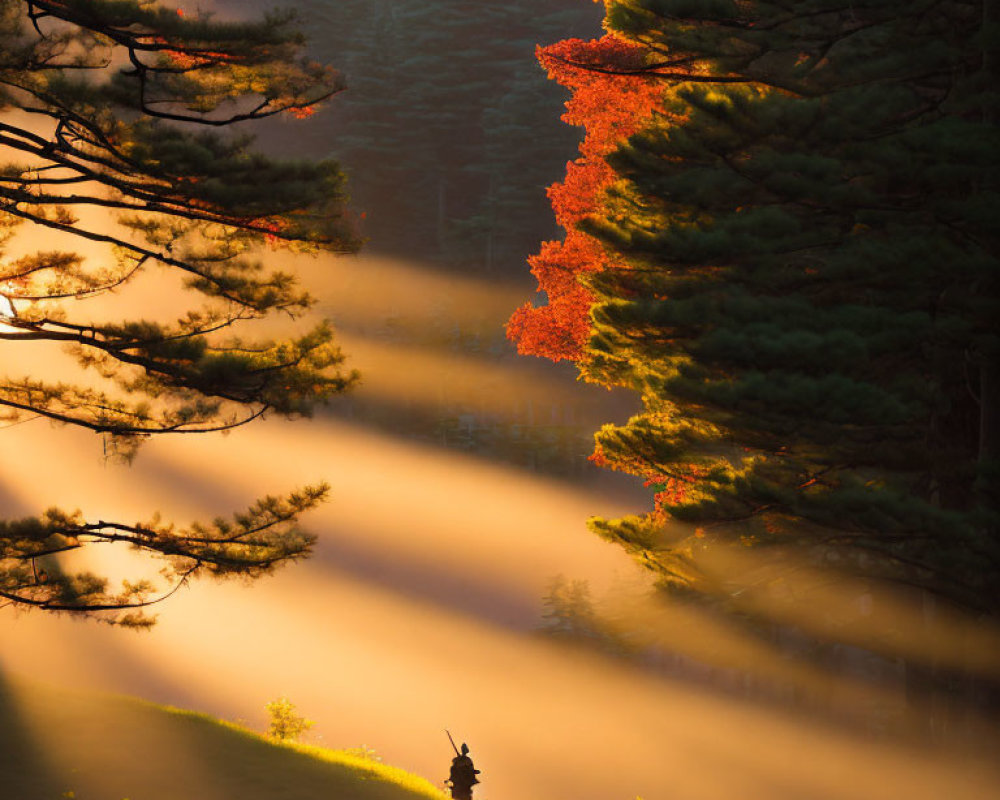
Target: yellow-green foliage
{"x":286,"y":724}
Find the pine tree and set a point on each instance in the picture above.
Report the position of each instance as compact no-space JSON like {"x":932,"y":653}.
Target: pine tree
{"x":807,"y":293}
{"x":116,"y":107}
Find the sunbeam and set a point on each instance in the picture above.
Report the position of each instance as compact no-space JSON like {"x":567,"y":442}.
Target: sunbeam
{"x":378,"y":659}
{"x":732,"y":535}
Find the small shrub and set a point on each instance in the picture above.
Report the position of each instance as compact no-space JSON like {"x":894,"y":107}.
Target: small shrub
{"x":286,"y":725}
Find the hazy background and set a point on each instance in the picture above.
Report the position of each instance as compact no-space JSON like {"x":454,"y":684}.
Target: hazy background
{"x":460,"y":491}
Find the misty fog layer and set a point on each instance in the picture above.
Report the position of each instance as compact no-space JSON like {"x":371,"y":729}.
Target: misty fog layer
{"x":460,"y":492}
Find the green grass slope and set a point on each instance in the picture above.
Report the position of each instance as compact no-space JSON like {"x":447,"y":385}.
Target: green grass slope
{"x":58,"y":744}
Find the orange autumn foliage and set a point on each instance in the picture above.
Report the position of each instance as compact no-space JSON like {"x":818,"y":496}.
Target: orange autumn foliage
{"x":302,"y":112}
{"x":671,"y":490}
{"x":611,"y":108}
{"x":271,"y":226}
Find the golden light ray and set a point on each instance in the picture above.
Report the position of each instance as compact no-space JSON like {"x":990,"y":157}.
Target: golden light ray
{"x":429,"y":378}
{"x":391,"y":672}
{"x":377,"y":664}
{"x":416,"y":613}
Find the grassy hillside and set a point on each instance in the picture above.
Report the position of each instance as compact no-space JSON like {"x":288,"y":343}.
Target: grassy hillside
{"x":55,"y":742}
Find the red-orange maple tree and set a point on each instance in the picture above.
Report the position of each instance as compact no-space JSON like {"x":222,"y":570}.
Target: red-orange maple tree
{"x":611,"y":107}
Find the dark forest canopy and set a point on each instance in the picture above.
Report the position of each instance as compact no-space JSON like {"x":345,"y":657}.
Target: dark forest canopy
{"x":803,"y":289}
{"x":121,"y":106}
{"x":451,"y":130}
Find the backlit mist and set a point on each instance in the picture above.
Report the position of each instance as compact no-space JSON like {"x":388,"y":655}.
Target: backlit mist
{"x":461,"y":485}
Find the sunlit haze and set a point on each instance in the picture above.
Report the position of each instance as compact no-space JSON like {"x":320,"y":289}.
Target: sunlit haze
{"x":461,"y":485}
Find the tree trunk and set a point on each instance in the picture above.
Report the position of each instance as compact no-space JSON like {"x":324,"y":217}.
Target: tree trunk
{"x":989,"y":372}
